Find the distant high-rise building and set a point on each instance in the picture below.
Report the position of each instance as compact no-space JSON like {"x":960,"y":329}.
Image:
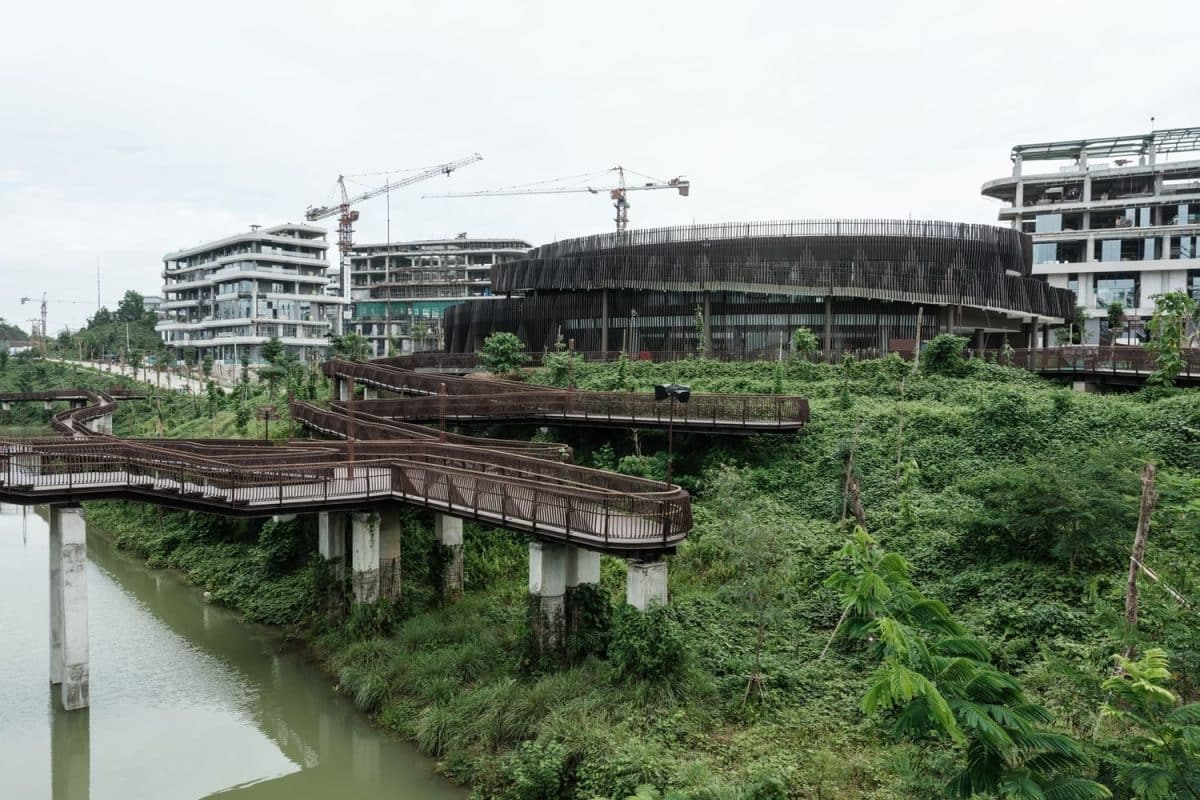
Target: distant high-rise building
{"x":1116,"y":220}
{"x":400,"y":290}
{"x":226,"y":298}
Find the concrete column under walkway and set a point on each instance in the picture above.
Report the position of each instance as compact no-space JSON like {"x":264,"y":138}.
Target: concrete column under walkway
{"x":364,"y":556}
{"x":547,"y":588}
{"x":582,"y":569}
{"x":390,"y":563}
{"x":646,"y":584}
{"x":449,"y":532}
{"x":68,"y":605}
{"x":331,"y":540}
{"x":370,"y":393}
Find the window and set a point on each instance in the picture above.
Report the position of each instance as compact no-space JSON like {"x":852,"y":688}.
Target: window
{"x":1073,"y":282}
{"x":1045,"y":253}
{"x":1121,"y":287}
{"x":1110,"y":250}
{"x":1193,"y":283}
{"x":1048,"y":223}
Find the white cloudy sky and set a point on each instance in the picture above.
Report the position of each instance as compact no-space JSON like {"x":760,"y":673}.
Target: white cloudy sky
{"x":135,"y":127}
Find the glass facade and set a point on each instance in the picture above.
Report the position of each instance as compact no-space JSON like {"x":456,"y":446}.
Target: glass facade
{"x":1120,"y":287}
{"x":1045,"y":253}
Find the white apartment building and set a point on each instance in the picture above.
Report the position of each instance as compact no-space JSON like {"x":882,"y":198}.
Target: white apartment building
{"x":401,"y":289}
{"x":1112,"y":219}
{"x":226,"y":298}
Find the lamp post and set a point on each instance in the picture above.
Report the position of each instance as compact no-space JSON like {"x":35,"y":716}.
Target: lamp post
{"x":675,"y":392}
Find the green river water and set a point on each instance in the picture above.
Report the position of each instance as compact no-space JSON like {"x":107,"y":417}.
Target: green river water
{"x":187,"y":701}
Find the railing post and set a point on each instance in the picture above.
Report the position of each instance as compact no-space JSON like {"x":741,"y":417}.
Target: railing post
{"x":567,"y":522}
{"x":606,"y":516}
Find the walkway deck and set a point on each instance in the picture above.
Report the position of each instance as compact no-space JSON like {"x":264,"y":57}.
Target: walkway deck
{"x":544,"y":497}
{"x":465,"y":400}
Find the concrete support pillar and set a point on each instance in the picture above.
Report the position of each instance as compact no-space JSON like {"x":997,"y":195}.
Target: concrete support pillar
{"x":343,"y":389}
{"x":390,"y":527}
{"x":604,"y":320}
{"x":370,"y":393}
{"x":283,"y":518}
{"x":547,"y":588}
{"x":582,"y":569}
{"x":1045,"y":337}
{"x":364,"y":556}
{"x":646,"y":584}
{"x":980,"y":342}
{"x":449,"y":531}
{"x":1027,"y":330}
{"x":47,"y":405}
{"x":331,"y":540}
{"x":5,"y":406}
{"x":68,"y":605}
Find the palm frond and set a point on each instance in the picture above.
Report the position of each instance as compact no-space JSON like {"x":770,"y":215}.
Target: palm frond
{"x":1075,"y":789}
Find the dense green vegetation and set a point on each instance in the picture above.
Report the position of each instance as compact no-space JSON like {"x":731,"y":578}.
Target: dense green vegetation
{"x":998,"y":512}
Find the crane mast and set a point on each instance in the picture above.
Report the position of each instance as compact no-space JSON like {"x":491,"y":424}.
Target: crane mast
{"x":618,"y":193}
{"x":347,"y":216}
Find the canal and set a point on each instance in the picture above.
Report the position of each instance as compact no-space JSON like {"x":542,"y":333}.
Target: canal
{"x":187,"y":701}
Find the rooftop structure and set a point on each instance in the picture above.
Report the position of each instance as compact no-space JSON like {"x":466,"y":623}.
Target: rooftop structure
{"x":226,"y":298}
{"x":736,"y":288}
{"x":400,"y":290}
{"x":1123,"y":229}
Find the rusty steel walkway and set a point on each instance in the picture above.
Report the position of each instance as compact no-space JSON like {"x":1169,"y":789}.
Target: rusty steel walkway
{"x":435,"y":397}
{"x":548,"y":499}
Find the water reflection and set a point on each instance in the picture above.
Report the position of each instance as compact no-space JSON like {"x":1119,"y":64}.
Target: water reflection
{"x":187,"y":700}
{"x":70,"y":751}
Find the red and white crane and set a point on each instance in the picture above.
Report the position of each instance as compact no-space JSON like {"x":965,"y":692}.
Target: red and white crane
{"x":348,"y":216}
{"x":592,"y":183}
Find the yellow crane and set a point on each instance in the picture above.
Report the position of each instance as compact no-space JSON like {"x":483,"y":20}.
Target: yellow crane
{"x":610,"y":181}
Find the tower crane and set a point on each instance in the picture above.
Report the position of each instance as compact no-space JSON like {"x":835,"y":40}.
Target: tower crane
{"x":347,"y":216}
{"x":44,"y":329}
{"x":592,"y":183}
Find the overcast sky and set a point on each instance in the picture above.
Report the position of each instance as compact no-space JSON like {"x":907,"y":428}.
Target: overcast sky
{"x":131,"y":129}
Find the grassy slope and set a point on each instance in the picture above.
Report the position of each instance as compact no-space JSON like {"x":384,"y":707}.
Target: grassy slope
{"x":450,"y":677}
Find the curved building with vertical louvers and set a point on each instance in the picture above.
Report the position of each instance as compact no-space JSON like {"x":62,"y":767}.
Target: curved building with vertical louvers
{"x":858,"y":284}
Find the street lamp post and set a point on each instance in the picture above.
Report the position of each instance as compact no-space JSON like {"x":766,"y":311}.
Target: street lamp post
{"x":675,"y":392}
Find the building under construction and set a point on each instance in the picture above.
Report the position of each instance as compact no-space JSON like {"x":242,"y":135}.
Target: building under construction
{"x":734,"y":288}
{"x":400,"y":290}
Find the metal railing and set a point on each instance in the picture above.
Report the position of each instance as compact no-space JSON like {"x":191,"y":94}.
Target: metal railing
{"x":745,"y":411}
{"x":553,"y":500}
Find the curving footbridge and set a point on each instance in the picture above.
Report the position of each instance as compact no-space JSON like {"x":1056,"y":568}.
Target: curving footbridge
{"x":379,"y":456}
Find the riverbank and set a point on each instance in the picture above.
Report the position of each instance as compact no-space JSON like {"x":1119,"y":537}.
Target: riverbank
{"x":1013,"y":499}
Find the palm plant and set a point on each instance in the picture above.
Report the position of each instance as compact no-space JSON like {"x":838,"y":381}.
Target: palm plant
{"x":939,"y":681}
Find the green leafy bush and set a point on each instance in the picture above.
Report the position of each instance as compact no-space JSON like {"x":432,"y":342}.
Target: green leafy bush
{"x":647,"y":645}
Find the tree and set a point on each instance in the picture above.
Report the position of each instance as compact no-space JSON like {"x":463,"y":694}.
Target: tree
{"x":3,"y":359}
{"x":350,"y":347}
{"x":701,"y":330}
{"x":1159,"y":745}
{"x":1075,"y":509}
{"x":1112,"y":315}
{"x":938,"y":681}
{"x":1168,"y":328}
{"x":272,"y":351}
{"x":1072,"y":332}
{"x":132,"y":308}
{"x":135,"y":361}
{"x":502,"y":353}
{"x":206,"y":366}
{"x":804,"y":343}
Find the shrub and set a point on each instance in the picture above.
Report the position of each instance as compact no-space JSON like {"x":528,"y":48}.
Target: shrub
{"x":646,"y":645}
{"x":943,"y":355}
{"x":502,"y":353}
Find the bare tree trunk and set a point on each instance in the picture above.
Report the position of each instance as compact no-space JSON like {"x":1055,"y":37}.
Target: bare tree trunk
{"x":1149,"y":498}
